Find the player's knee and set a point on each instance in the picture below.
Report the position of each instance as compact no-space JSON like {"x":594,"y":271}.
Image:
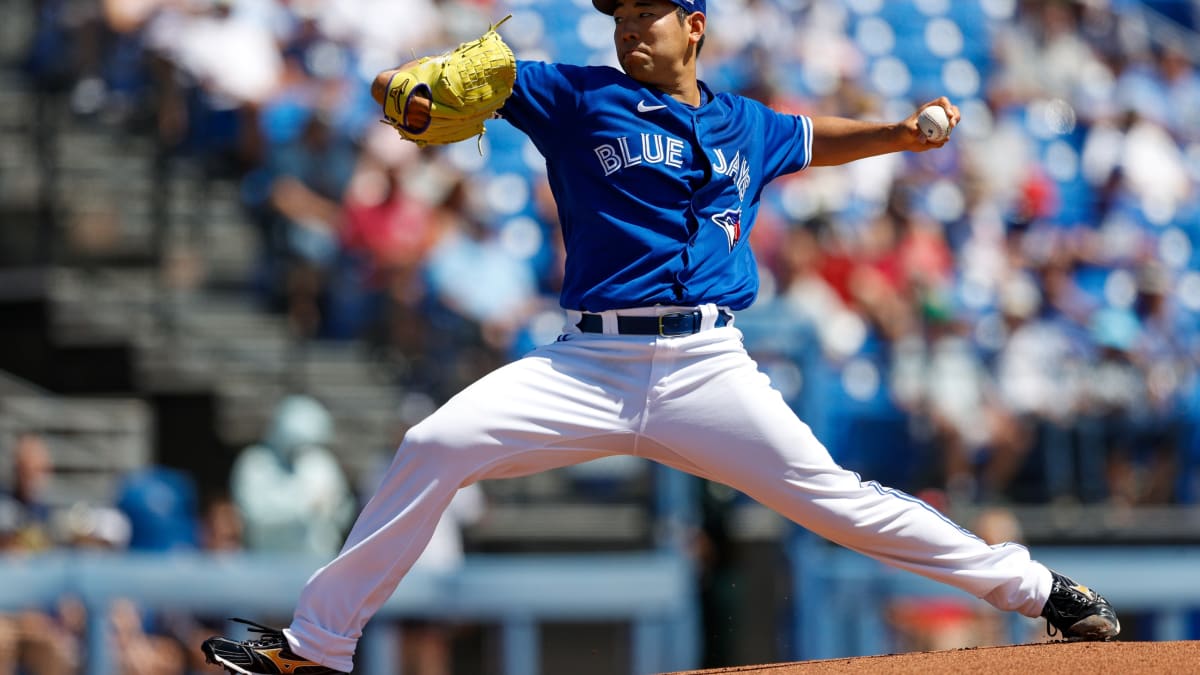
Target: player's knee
{"x":423,"y":440}
{"x":430,"y":448}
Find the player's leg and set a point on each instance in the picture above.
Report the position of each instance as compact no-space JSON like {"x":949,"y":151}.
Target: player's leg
{"x":566,"y":403}
{"x":737,"y":430}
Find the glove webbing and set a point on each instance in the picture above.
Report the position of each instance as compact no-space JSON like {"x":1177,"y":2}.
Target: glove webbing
{"x":475,"y":66}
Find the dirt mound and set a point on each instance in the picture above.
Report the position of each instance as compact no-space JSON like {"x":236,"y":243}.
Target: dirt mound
{"x":1094,"y":658}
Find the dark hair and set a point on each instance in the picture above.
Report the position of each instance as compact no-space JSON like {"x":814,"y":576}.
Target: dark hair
{"x":683,"y":14}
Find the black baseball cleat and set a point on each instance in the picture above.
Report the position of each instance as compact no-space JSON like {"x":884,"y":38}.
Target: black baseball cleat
{"x":267,"y":655}
{"x":1078,"y":612}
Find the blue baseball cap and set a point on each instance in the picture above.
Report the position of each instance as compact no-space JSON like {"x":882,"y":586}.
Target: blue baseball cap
{"x":608,"y":6}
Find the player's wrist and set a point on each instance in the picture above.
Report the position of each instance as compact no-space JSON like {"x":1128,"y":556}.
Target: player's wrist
{"x":380,"y":83}
{"x":901,"y":135}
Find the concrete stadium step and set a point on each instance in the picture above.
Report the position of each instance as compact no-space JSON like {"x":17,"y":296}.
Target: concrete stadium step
{"x":16,"y":108}
{"x":339,"y":364}
{"x":234,"y":317}
{"x":110,"y":213}
{"x":100,"y":306}
{"x":194,"y":339}
{"x":245,"y":409}
{"x":18,"y":185}
{"x":16,"y":29}
{"x":80,"y":149}
{"x":16,"y":151}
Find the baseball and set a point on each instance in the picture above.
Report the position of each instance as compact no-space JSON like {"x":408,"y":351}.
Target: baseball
{"x":934,"y":123}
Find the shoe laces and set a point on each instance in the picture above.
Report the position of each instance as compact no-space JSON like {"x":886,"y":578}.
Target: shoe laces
{"x":269,"y":637}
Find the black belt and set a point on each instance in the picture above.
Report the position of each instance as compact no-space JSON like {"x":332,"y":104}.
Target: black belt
{"x":666,"y":325}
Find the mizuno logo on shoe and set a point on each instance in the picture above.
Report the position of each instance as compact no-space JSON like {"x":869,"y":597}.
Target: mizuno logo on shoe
{"x":642,"y":107}
{"x":284,"y":664}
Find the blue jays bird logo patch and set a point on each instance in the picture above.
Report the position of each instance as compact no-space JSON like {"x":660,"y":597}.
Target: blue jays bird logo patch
{"x":730,"y":220}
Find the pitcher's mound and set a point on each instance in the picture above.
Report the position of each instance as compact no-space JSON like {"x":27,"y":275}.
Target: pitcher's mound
{"x":1068,"y":658}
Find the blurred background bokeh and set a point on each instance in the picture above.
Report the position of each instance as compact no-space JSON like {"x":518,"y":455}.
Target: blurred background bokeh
{"x":226,"y":291}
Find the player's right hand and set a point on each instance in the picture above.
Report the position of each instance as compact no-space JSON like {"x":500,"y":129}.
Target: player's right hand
{"x":915,"y":140}
{"x":417,"y":114}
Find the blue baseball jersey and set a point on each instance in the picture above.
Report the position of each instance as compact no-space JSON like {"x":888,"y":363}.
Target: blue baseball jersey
{"x":656,"y":198}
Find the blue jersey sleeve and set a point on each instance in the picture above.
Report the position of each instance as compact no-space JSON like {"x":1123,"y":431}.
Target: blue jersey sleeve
{"x":788,"y":141}
{"x":544,"y":98}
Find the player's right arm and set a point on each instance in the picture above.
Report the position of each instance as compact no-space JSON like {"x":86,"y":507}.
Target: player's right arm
{"x":838,"y":140}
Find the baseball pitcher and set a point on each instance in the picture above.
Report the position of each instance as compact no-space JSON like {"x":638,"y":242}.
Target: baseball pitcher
{"x":657,"y":180}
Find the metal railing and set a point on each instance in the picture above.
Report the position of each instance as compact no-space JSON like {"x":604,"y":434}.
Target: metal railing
{"x":841,"y":596}
{"x":652,"y":592}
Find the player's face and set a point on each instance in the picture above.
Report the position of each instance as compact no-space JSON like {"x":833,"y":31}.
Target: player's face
{"x":652,"y":44}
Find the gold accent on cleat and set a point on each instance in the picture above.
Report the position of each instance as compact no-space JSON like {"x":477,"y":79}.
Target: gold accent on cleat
{"x":285,"y":664}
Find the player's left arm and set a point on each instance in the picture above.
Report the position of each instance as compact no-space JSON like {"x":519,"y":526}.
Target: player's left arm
{"x":838,"y":140}
{"x":380,"y":84}
{"x":447,"y":98}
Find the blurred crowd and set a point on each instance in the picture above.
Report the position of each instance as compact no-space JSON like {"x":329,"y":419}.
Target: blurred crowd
{"x":1010,"y":319}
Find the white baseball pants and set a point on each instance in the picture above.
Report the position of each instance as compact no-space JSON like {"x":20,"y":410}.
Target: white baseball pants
{"x":697,"y":403}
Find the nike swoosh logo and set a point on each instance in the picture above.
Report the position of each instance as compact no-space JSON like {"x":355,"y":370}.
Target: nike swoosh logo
{"x":642,"y":107}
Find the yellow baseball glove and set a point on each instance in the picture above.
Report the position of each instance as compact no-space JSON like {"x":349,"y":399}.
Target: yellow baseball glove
{"x":464,"y":87}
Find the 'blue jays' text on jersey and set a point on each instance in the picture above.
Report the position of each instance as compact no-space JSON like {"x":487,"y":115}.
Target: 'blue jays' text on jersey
{"x":656,"y":197}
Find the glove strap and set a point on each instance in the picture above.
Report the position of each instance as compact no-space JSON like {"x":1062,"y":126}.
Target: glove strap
{"x":399,"y":98}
